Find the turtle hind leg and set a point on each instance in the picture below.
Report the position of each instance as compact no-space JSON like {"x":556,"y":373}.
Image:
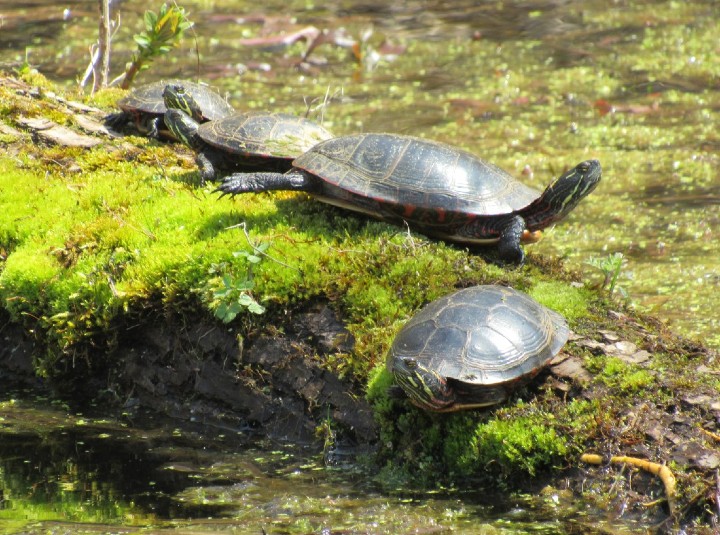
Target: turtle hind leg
{"x":257,"y":182}
{"x":117,"y":121}
{"x":509,"y":247}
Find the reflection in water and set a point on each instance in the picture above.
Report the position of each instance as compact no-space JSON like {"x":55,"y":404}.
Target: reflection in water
{"x":72,"y":472}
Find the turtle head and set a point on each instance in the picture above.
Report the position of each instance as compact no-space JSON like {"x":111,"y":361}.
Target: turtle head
{"x":425,"y":387}
{"x":177,"y":98}
{"x":182,"y":126}
{"x":561,"y":197}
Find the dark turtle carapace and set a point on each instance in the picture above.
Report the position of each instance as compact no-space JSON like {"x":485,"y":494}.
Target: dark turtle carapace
{"x":242,"y":141}
{"x":144,"y":107}
{"x":471,"y":348}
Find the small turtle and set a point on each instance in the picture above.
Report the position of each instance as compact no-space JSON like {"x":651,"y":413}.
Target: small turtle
{"x":471,"y":348}
{"x":145,"y":107}
{"x":435,"y":188}
{"x":242,"y":141}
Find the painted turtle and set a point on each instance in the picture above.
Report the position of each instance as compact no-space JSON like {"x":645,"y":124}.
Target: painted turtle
{"x":145,"y":107}
{"x":437,"y":189}
{"x":242,"y":141}
{"x":471,"y":348}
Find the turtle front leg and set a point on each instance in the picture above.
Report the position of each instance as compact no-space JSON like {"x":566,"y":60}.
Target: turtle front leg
{"x":256,"y":182}
{"x":509,"y":247}
{"x":206,"y":167}
{"x":153,"y":127}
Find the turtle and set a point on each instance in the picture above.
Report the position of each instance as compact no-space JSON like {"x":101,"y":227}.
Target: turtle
{"x":472,"y":348}
{"x":145,"y":107}
{"x":253,"y":140}
{"x":435,"y":188}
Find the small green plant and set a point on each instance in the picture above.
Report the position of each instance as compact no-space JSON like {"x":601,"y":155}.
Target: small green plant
{"x":327,"y":434}
{"x":610,"y":266}
{"x":163,"y":30}
{"x":231,"y":294}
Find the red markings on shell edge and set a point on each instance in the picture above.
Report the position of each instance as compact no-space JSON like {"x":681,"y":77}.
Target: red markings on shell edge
{"x":441,"y":213}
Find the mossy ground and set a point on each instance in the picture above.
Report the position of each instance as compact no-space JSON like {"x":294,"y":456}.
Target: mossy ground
{"x":90,"y":236}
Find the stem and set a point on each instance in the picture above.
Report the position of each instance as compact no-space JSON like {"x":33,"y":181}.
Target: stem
{"x":130,"y":73}
{"x":104,"y":43}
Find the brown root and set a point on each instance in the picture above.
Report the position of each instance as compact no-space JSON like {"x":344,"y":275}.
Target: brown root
{"x":660,"y":470}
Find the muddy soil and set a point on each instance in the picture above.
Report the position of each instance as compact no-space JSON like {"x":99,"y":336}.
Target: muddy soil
{"x":273,"y":384}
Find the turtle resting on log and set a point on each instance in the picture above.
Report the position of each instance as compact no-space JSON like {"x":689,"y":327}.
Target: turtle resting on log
{"x":471,"y":348}
{"x":145,"y":108}
{"x":437,"y":189}
{"x":248,"y":141}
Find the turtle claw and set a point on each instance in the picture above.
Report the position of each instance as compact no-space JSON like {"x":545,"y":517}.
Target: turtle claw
{"x":227,"y":187}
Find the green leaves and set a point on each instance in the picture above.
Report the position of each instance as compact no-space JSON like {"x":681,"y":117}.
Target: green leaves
{"x":611,"y":266}
{"x":232,"y":293}
{"x":251,"y":257}
{"x":163,"y":31}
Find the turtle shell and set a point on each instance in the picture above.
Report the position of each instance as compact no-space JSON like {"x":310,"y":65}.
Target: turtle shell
{"x":412,"y":173}
{"x":481,"y":337}
{"x":149,"y":99}
{"x":264,"y":134}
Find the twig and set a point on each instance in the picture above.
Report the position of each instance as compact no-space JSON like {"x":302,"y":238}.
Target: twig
{"x":100,"y":51}
{"x":327,"y":99}
{"x":104,"y":40}
{"x":90,"y":69}
{"x":712,"y":435}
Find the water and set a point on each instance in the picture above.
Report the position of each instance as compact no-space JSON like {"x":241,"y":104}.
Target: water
{"x":72,"y":473}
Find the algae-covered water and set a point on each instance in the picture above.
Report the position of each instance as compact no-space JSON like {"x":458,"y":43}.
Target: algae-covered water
{"x":70,"y":473}
{"x":534,"y":87}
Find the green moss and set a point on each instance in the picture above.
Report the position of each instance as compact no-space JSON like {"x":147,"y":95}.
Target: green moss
{"x":570,"y":301}
{"x":460,"y":446}
{"x":519,"y":445}
{"x":26,"y":274}
{"x":500,"y":445}
{"x":627,"y":378}
{"x":379,"y":382}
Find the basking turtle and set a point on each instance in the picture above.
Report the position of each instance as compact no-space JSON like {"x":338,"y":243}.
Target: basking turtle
{"x":242,"y":141}
{"x":145,"y":107}
{"x":471,"y":348}
{"x":437,"y":189}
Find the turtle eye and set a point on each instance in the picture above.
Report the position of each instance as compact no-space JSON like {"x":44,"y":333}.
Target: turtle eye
{"x":584,"y":167}
{"x":411,"y":363}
